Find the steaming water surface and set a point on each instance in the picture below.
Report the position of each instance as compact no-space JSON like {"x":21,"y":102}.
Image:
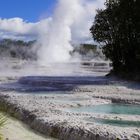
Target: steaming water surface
{"x":14,"y":67}
{"x":31,"y":77}
{"x":23,"y":77}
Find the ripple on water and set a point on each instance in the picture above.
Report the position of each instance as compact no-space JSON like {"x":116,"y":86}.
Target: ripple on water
{"x":122,"y":123}
{"x":109,"y":109}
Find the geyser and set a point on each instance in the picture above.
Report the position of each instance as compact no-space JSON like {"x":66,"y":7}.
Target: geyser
{"x":55,"y":46}
{"x":70,"y":23}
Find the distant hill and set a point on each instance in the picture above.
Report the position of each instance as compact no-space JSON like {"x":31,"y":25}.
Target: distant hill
{"x":16,"y":49}
{"x":88,"y":51}
{"x":25,"y":50}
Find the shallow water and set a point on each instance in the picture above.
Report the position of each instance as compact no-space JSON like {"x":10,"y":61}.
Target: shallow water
{"x":52,"y":83}
{"x":18,"y":68}
{"x":122,"y":123}
{"x":110,"y":109}
{"x":52,"y":77}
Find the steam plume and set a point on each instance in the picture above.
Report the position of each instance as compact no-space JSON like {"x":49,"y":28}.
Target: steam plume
{"x":56,"y":45}
{"x":56,"y":42}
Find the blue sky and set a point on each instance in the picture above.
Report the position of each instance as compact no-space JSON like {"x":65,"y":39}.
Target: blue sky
{"x":29,"y":10}
{"x":21,"y":19}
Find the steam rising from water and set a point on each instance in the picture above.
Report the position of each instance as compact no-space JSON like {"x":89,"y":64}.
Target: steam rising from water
{"x":57,"y":46}
{"x":70,"y":23}
{"x":56,"y":41}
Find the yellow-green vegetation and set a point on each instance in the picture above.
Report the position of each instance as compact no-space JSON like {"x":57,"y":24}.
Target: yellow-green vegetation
{"x":2,"y":123}
{"x":13,"y":129}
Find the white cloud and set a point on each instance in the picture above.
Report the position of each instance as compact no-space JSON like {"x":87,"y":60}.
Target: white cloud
{"x":81,"y":26}
{"x":17,"y":28}
{"x":16,"y":25}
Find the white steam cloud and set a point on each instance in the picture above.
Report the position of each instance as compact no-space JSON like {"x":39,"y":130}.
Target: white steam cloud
{"x":69,"y":23}
{"x":56,"y":45}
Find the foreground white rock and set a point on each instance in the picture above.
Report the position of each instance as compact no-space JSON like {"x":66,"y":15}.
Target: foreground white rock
{"x":48,"y":112}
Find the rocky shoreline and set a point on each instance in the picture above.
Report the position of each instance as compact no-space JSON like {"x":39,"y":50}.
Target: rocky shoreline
{"x":47,"y":113}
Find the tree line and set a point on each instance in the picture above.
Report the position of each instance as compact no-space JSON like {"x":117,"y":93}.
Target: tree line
{"x":117,"y":29}
{"x":17,"y":49}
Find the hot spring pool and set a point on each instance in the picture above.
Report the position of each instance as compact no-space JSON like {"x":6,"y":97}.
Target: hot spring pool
{"x":109,"y":109}
{"x":122,"y":123}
